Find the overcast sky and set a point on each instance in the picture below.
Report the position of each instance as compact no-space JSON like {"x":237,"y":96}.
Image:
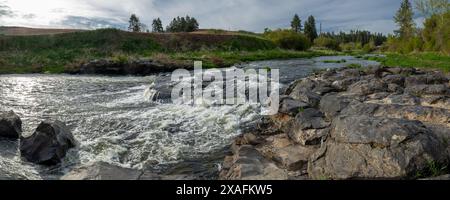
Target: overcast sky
{"x":252,"y":15}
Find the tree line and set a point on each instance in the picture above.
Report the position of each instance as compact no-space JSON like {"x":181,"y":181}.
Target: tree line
{"x":178,"y":24}
{"x":305,"y":35}
{"x":357,"y":36}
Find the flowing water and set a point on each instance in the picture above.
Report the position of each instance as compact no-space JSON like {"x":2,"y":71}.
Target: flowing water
{"x":126,"y":121}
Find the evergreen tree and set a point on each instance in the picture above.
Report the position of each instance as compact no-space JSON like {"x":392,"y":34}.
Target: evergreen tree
{"x":310,"y":28}
{"x":404,"y":19}
{"x":183,"y":24}
{"x":157,"y":26}
{"x":296,"y":24}
{"x":135,"y":24}
{"x":192,"y":24}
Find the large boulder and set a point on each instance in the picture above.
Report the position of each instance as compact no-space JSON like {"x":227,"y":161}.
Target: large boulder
{"x":49,"y":143}
{"x":10,"y":125}
{"x":309,"y":127}
{"x":249,"y":164}
{"x":290,"y":106}
{"x":364,"y":147}
{"x":332,"y":104}
{"x":285,"y":153}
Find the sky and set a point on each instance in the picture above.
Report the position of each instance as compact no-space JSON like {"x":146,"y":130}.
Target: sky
{"x":251,"y":15}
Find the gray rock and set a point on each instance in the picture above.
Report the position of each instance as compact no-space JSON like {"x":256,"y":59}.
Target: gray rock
{"x":309,"y":136}
{"x":386,"y":123}
{"x":294,"y":157}
{"x":363,"y":147}
{"x":308,"y":128}
{"x":440,"y":101}
{"x":426,"y":79}
{"x":394,"y":88}
{"x":285,"y":153}
{"x":440,"y":89}
{"x":291,"y":106}
{"x":395,"y":79}
{"x":402,"y":99}
{"x":420,"y":113}
{"x":332,"y":104}
{"x":10,"y":125}
{"x":249,"y":164}
{"x":48,"y":144}
{"x":366,"y":87}
{"x":317,"y":87}
{"x":310,"y":98}
{"x":310,"y":119}
{"x":343,"y":84}
{"x":380,"y":132}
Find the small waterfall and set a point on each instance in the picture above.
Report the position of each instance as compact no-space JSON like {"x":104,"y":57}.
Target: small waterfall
{"x":151,"y":94}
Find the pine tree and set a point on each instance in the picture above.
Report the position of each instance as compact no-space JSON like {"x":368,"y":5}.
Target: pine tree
{"x":135,"y":24}
{"x":310,"y":28}
{"x":296,"y":24}
{"x":192,"y":24}
{"x":157,"y":26}
{"x":183,"y":24}
{"x":404,"y":19}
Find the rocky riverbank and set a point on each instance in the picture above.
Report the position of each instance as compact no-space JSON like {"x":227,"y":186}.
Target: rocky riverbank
{"x":139,"y":67}
{"x":365,"y":123}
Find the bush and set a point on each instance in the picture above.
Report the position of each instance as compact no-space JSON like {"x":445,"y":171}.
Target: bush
{"x":369,"y":47}
{"x":327,"y":42}
{"x":288,"y":39}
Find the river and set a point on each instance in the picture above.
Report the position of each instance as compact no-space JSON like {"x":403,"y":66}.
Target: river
{"x":119,"y":120}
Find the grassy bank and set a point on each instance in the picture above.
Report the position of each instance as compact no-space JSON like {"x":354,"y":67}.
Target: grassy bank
{"x":56,"y":53}
{"x":417,"y":60}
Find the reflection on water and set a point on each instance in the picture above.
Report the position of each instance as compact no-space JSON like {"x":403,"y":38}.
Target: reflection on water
{"x":113,"y":120}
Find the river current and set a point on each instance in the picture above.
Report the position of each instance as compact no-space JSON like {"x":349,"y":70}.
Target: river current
{"x":126,"y":122}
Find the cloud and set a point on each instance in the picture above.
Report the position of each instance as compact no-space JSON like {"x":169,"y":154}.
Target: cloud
{"x":29,"y":16}
{"x":80,"y":22}
{"x":252,"y":15}
{"x":5,"y":10}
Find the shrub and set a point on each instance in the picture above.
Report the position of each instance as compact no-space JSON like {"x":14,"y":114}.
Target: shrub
{"x":350,"y":46}
{"x":369,"y":47}
{"x":288,"y":39}
{"x":327,"y":43}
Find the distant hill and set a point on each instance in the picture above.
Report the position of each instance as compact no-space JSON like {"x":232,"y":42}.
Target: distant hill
{"x":23,"y":31}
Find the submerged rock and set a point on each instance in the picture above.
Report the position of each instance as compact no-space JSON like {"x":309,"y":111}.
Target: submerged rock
{"x":49,"y":143}
{"x":102,"y":171}
{"x":10,"y":125}
{"x":107,"y":171}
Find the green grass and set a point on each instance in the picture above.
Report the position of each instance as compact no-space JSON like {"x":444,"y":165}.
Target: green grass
{"x":416,"y":60}
{"x":214,"y":59}
{"x":354,"y":66}
{"x":55,"y":53}
{"x":432,"y":169}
